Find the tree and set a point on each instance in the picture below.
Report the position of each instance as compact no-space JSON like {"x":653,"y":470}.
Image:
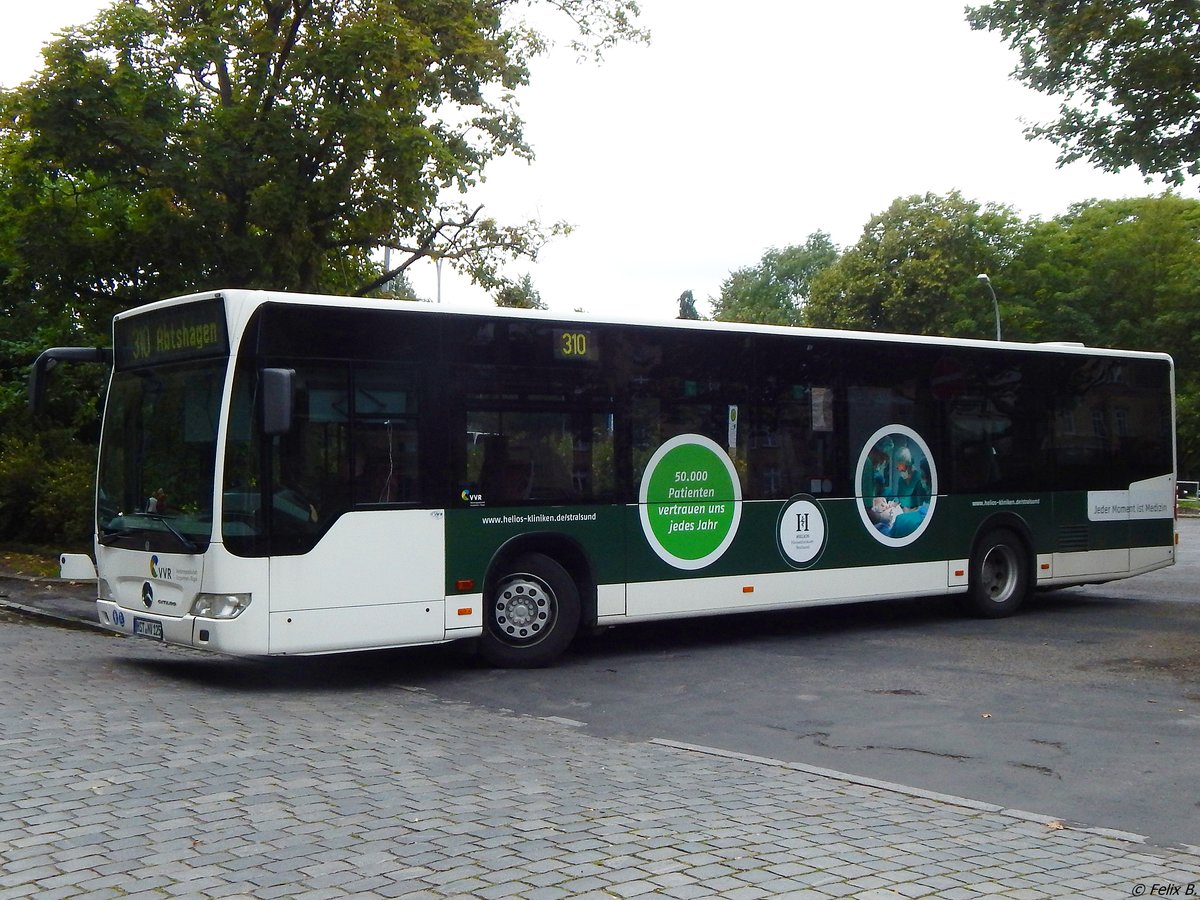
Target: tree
{"x":1118,"y":273}
{"x":1128,"y":69}
{"x":687,"y":306}
{"x":1107,"y":273}
{"x":775,"y":291}
{"x":245,"y":143}
{"x":915,"y":269}
{"x":399,"y":288}
{"x":177,"y":145}
{"x":520,"y":295}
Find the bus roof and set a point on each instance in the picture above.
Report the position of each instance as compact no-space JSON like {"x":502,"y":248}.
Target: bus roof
{"x":251,"y":299}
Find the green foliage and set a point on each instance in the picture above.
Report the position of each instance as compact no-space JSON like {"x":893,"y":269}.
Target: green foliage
{"x":1187,"y":430}
{"x":1119,"y":273}
{"x":915,"y":269}
{"x":46,"y":487}
{"x":1127,"y":69}
{"x":20,"y":464}
{"x":520,"y":295}
{"x":1108,"y":273}
{"x":171,"y":146}
{"x":62,"y":509}
{"x":179,"y":145}
{"x":47,"y":466}
{"x":775,"y":291}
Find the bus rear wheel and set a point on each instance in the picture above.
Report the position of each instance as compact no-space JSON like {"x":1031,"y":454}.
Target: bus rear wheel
{"x":531,"y":614}
{"x":999,"y":576}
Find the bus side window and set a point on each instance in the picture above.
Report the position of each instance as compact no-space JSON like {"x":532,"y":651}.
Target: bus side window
{"x":544,"y":456}
{"x":386,"y":417}
{"x":794,"y":421}
{"x":385,"y":462}
{"x":311,"y":477}
{"x":504,"y":477}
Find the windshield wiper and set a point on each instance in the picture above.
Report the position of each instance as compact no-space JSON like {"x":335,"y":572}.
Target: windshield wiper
{"x":111,"y":537}
{"x":188,"y":544}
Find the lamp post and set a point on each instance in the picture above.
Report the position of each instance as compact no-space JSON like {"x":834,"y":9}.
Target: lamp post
{"x":987,"y":282}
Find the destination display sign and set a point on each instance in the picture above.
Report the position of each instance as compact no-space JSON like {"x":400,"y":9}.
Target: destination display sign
{"x":192,"y":331}
{"x":575,"y":345}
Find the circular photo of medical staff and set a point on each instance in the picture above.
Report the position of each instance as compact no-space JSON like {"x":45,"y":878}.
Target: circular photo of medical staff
{"x":897,"y":484}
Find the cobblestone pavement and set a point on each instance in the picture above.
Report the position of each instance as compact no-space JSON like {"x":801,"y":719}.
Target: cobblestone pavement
{"x":137,"y":770}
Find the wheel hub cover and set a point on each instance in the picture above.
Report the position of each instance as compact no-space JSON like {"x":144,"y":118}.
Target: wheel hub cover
{"x":522,"y":609}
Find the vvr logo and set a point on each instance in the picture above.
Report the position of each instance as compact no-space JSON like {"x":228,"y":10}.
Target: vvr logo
{"x":157,"y":571}
{"x":148,"y":594}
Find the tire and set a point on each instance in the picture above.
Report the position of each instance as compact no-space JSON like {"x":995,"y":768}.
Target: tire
{"x":999,"y":579}
{"x":530,"y":615}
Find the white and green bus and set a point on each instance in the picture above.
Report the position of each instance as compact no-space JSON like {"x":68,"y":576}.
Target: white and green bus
{"x":287,"y":474}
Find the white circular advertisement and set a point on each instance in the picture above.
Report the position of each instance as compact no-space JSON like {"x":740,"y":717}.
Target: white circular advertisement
{"x":801,"y":531}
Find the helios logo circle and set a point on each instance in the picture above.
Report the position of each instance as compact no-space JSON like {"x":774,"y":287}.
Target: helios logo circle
{"x":802,"y":531}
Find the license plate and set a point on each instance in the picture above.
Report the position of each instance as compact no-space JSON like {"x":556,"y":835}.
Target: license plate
{"x":147,"y":628}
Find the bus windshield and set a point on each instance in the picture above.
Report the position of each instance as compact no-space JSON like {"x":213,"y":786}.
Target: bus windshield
{"x":157,"y":457}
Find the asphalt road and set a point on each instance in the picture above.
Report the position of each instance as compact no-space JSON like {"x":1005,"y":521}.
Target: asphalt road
{"x":1085,"y":706}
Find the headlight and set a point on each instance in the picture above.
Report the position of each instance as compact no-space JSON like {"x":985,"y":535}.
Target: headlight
{"x":220,"y":606}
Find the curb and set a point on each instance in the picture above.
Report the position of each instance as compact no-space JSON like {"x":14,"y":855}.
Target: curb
{"x":44,"y":579}
{"x":1053,"y":822}
{"x":57,"y":617}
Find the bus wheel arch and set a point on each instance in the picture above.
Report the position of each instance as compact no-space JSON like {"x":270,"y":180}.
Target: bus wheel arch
{"x":1001,"y":571}
{"x":534,"y":599}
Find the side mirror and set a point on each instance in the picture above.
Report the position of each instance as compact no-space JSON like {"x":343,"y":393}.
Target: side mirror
{"x":49,"y":359}
{"x":278,"y":389}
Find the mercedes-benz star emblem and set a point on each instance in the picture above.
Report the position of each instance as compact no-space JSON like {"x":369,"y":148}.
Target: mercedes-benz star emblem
{"x":148,"y":594}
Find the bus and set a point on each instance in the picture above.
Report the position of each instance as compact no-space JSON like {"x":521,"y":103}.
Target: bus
{"x":294,"y":474}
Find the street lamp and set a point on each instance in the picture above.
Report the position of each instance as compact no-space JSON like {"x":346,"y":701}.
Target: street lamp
{"x":987,"y":282}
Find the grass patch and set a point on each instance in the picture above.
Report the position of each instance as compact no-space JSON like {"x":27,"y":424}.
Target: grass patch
{"x":39,"y":562}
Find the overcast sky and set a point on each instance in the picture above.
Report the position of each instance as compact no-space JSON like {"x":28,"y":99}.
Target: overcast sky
{"x":680,"y":161}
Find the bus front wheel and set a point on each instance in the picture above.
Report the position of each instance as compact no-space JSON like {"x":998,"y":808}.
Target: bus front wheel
{"x":531,"y":613}
{"x":999,"y":575}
